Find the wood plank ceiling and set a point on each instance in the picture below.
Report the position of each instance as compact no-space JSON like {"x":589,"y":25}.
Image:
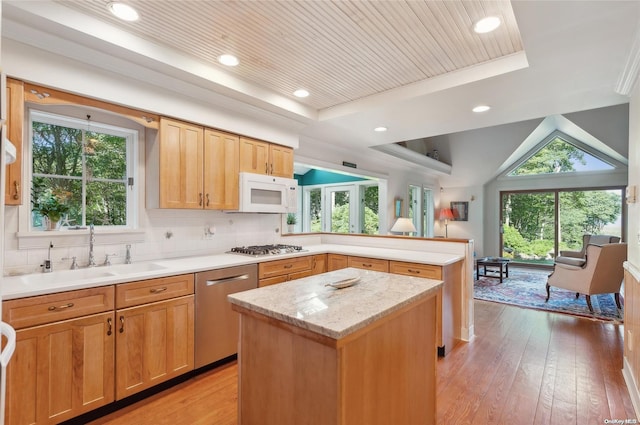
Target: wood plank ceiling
{"x":339,"y":51}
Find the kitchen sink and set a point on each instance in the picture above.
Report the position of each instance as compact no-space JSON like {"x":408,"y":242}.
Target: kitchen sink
{"x":66,"y":276}
{"x":121,"y":269}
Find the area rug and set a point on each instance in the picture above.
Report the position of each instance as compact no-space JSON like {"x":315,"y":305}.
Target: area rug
{"x":525,"y":288}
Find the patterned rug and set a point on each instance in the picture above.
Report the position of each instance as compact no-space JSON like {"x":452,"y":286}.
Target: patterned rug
{"x":526,"y":288}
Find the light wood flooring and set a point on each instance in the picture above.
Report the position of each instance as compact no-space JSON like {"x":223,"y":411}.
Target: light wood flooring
{"x":523,"y":367}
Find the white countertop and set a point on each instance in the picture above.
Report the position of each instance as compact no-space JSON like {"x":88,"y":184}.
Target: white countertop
{"x":67,"y":280}
{"x":309,"y":304}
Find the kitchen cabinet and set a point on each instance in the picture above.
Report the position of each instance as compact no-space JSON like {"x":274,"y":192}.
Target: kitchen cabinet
{"x":278,"y":271}
{"x":155,"y":332}
{"x":199,"y":168}
{"x":63,"y":364}
{"x":265,"y":158}
{"x":338,"y":261}
{"x":181,"y":164}
{"x":221,"y":170}
{"x":319,"y":264}
{"x":15,"y":124}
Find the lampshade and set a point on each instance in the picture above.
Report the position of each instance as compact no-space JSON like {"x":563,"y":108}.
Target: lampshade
{"x":403,"y":225}
{"x":446,"y":214}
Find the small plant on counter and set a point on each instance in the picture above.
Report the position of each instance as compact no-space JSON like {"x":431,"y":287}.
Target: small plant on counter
{"x":291,"y":219}
{"x":51,"y":203}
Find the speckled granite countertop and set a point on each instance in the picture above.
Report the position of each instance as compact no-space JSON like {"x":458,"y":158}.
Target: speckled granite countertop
{"x":309,"y":304}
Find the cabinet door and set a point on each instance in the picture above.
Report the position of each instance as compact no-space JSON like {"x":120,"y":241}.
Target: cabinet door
{"x":254,"y":156}
{"x":336,"y":262}
{"x":281,"y":158}
{"x":221,"y":168}
{"x":181,"y":149}
{"x":15,"y":123}
{"x":369,"y":264}
{"x":413,"y":269}
{"x":61,"y":370}
{"x":284,"y":267}
{"x":319,"y":263}
{"x":155,"y":344}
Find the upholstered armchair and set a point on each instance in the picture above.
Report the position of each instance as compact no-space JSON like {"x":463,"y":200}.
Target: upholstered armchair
{"x":577,"y":258}
{"x":602,"y":273}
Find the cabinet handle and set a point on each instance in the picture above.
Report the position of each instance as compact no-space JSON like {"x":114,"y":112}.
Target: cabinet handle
{"x":200,"y":201}
{"x":313,"y":266}
{"x":272,"y":168}
{"x":158,"y":290}
{"x":17,"y":187}
{"x":207,"y":199}
{"x":109,"y":324}
{"x":121,"y":330}
{"x":288,"y":266}
{"x":367,"y":265}
{"x":60,"y":307}
{"x":266,"y":168}
{"x":413,"y":271}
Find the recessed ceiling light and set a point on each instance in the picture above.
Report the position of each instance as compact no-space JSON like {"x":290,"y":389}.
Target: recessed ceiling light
{"x":481,"y":108}
{"x":487,"y":24}
{"x":123,"y":11}
{"x":380,"y":129}
{"x":228,"y":60}
{"x":301,"y":93}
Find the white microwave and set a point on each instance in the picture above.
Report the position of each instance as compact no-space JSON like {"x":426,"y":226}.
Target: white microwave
{"x":261,"y":193}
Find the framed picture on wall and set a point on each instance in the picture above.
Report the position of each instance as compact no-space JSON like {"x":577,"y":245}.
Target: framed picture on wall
{"x":460,"y":211}
{"x":397,"y":207}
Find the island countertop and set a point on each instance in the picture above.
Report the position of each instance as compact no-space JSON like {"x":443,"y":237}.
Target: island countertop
{"x":310,"y":304}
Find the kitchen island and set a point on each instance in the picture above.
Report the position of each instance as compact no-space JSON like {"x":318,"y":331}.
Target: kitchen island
{"x":314,"y":354}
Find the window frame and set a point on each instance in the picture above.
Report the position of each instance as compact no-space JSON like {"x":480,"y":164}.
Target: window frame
{"x":131,"y":136}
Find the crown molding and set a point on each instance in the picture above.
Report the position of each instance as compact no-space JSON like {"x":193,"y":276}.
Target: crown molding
{"x":629,"y":75}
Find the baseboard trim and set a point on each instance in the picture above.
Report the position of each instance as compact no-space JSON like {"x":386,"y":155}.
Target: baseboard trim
{"x":632,"y":386}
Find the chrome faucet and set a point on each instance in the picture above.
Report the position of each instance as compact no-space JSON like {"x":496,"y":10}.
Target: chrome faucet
{"x":92,"y":240}
{"x":127,"y":259}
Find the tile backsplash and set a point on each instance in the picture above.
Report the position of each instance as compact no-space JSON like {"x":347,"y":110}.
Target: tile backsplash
{"x":162,"y":234}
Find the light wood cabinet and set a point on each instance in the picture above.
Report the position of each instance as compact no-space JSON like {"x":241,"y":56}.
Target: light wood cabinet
{"x":155,"y":340}
{"x":198,"y":167}
{"x":413,"y":269}
{"x":337,"y":262}
{"x":60,"y":368}
{"x":15,"y":124}
{"x":181,"y":165}
{"x":369,"y":263}
{"x":261,"y":157}
{"x":278,"y":271}
{"x":221,"y":170}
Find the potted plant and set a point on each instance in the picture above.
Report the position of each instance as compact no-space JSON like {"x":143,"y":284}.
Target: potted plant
{"x":51,"y":204}
{"x":291,"y":222}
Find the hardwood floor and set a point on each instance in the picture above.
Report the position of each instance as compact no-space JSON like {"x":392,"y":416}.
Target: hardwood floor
{"x":523,"y":367}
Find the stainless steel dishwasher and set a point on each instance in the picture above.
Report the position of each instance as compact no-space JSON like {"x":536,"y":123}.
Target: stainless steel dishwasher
{"x":216,"y":325}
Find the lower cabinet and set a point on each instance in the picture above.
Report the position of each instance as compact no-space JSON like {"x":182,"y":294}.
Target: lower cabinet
{"x":278,"y":271}
{"x":154,"y":344}
{"x":61,"y":370}
{"x":339,"y":261}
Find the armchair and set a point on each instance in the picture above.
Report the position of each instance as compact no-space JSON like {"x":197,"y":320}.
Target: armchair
{"x":602,"y":273}
{"x":577,"y":258}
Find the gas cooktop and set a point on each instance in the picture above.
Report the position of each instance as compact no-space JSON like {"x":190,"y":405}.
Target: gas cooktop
{"x":262,"y":250}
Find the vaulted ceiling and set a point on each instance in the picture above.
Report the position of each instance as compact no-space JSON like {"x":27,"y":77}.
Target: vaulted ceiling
{"x":415,"y":67}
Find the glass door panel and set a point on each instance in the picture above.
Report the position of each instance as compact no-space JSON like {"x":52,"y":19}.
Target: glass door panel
{"x":528,"y":227}
{"x":342,"y":210}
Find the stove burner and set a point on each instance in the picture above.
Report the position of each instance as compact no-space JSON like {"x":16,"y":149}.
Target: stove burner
{"x":259,"y":250}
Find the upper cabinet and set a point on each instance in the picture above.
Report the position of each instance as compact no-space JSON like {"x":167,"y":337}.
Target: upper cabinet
{"x":198,"y":167}
{"x":15,"y":123}
{"x":181,"y":165}
{"x":265,"y":158}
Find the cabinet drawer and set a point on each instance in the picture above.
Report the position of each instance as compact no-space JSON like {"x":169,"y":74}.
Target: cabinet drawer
{"x":282,"y":267}
{"x":414,"y":269}
{"x":32,"y":311}
{"x":369,"y":263}
{"x":152,"y":290}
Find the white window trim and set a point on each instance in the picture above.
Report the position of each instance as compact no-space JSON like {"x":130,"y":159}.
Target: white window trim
{"x":29,"y":238}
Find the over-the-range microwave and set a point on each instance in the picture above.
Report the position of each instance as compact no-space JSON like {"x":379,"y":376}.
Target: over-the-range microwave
{"x":267,"y":194}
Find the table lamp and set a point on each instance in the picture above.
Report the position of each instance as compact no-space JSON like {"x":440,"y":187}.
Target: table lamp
{"x":403,"y":225}
{"x":446,"y":214}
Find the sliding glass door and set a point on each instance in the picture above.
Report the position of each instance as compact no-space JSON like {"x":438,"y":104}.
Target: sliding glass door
{"x":536,"y":225}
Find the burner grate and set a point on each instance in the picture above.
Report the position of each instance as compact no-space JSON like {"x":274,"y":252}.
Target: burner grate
{"x":260,"y":250}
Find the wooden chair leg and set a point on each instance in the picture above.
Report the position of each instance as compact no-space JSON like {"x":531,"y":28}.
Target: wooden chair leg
{"x":589,"y":303}
{"x":547,"y":293}
{"x":577,"y":295}
{"x":617,"y":296}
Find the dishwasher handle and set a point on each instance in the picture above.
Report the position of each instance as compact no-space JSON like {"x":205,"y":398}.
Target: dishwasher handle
{"x":227,"y":279}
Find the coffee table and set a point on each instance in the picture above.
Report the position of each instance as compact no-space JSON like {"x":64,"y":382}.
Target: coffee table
{"x":501,"y":267}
